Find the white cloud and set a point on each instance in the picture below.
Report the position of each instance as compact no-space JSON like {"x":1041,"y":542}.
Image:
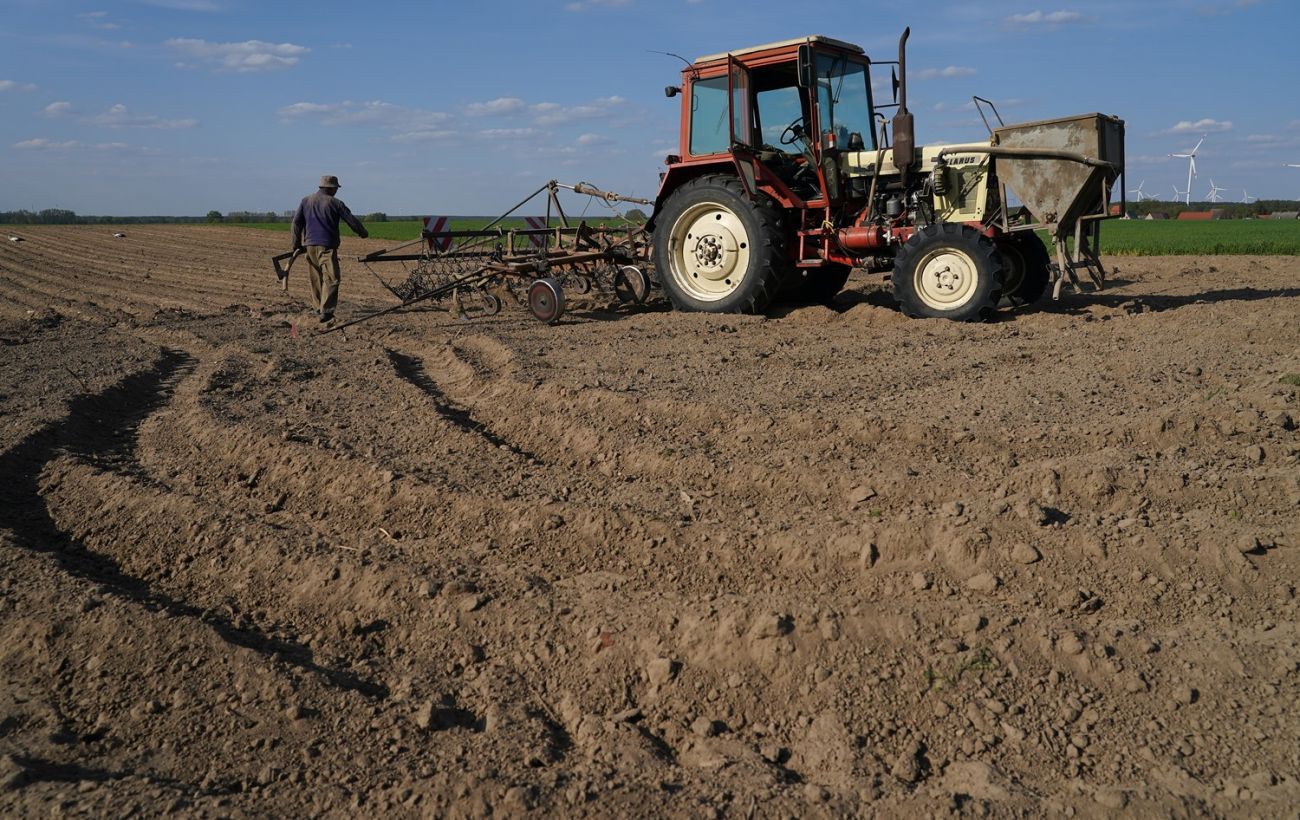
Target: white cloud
{"x":555,"y":114}
{"x":501,"y":105}
{"x":1046,"y":18}
{"x":945,"y":73}
{"x":13,"y":85}
{"x":184,"y":5}
{"x":427,"y":135}
{"x":508,"y":133}
{"x":1205,"y":126}
{"x":1220,"y":9}
{"x":43,"y":144}
{"x":118,"y":116}
{"x":546,"y":113}
{"x":243,"y":58}
{"x":593,"y":140}
{"x":1145,"y":160}
{"x":376,"y":113}
{"x":584,"y":5}
{"x":99,"y":19}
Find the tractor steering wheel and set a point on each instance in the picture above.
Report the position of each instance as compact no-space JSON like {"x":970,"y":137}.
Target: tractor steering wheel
{"x":794,"y":132}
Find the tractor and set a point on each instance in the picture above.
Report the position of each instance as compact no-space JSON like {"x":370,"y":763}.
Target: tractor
{"x":788,"y":177}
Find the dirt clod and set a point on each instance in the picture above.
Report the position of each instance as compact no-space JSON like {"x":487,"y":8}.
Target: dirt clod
{"x":1025,"y":554}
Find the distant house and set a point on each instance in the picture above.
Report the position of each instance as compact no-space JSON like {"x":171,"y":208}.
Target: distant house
{"x":1284,"y":215}
{"x":1157,"y":215}
{"x":1201,"y":216}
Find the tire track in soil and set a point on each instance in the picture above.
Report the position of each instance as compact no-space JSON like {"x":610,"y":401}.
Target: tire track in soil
{"x":101,"y":429}
{"x":411,"y":369}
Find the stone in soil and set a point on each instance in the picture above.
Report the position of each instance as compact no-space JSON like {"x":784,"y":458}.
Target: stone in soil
{"x":1023,"y":553}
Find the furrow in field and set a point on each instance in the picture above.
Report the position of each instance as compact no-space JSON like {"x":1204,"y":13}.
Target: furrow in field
{"x":146,"y":290}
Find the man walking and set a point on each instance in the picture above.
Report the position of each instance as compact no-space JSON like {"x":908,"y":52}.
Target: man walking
{"x":318,"y":217}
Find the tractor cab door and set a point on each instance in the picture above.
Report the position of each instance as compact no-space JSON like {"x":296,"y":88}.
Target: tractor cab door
{"x":741,"y":116}
{"x":739,"y":108}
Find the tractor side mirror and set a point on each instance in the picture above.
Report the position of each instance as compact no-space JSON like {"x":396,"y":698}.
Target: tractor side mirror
{"x":893,"y":81}
{"x":807,"y":71}
{"x":671,"y":91}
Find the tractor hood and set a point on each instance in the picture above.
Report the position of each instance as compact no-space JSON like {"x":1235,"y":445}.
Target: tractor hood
{"x":860,"y":163}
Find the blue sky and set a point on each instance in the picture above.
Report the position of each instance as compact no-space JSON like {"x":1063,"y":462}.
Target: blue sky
{"x":184,"y":106}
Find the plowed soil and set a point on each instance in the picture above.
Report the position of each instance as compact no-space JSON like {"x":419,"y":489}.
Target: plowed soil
{"x":828,"y":561}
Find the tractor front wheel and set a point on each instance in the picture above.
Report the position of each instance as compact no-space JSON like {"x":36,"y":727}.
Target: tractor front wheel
{"x":717,"y":250}
{"x":948,"y":271}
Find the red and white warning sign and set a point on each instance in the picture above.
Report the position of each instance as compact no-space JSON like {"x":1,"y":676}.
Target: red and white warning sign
{"x":537,"y":223}
{"x":437,"y":225}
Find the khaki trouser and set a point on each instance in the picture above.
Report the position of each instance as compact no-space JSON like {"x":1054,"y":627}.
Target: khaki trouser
{"x":324,"y":264}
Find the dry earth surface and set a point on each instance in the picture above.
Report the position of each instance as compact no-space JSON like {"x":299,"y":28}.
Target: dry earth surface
{"x":823,"y":562}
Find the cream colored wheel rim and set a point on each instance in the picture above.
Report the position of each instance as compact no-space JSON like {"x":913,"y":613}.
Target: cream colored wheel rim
{"x":946,"y":280}
{"x":709,"y":251}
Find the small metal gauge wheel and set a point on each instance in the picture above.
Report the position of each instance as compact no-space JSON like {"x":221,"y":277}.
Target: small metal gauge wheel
{"x":546,"y":300}
{"x":491,"y":304}
{"x":631,"y":285}
{"x":580,"y":284}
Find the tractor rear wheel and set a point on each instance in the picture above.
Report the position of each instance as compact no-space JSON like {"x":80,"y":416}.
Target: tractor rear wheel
{"x":948,"y":271}
{"x":1026,"y":268}
{"x":717,"y":250}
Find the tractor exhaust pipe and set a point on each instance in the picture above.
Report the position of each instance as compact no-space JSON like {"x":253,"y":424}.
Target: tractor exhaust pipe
{"x":904,"y":127}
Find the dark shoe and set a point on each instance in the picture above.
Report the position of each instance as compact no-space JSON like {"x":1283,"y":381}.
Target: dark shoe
{"x":326,"y":318}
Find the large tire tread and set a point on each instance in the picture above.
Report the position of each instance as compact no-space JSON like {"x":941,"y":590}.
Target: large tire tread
{"x":770,"y":270}
{"x":1036,"y":263}
{"x":982,"y":252}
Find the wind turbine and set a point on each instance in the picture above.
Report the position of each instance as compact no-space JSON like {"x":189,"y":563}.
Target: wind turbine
{"x":1141,"y":194}
{"x":1190,"y":156}
{"x":1214,"y":196}
{"x":1246,"y":198}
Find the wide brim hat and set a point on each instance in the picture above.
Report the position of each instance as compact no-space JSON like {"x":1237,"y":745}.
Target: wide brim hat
{"x":329,"y":181}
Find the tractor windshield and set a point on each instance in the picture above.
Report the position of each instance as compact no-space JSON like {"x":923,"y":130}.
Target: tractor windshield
{"x":844,"y":97}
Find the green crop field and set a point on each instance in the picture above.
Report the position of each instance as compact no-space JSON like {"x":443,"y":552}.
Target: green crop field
{"x":406,"y":231}
{"x":1167,"y":238}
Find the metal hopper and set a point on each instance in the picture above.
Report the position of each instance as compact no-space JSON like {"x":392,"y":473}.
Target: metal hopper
{"x":1064,"y":172}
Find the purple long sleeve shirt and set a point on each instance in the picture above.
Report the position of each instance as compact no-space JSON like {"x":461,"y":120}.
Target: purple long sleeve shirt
{"x":318,"y":216}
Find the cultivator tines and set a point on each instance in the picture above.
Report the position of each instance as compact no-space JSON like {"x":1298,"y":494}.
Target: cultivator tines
{"x":474,"y":270}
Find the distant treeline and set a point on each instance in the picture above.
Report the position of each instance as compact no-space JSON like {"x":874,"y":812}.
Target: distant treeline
{"x":59,"y":216}
{"x":1231,"y":210}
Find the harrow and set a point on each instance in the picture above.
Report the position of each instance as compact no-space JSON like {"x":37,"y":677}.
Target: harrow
{"x":475,"y":271}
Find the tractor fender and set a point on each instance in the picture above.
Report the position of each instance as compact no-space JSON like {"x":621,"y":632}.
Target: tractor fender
{"x":755,"y":179}
{"x":679,"y":174}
